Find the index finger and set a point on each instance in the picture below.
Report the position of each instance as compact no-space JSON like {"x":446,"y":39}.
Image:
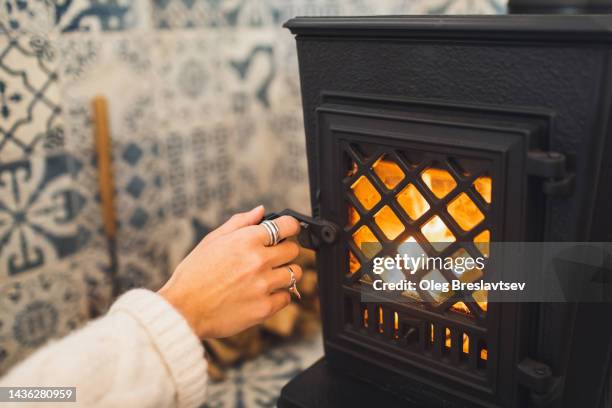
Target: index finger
{"x":287,"y":227}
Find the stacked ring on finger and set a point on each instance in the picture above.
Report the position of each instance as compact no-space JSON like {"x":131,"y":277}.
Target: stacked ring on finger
{"x":292,"y":284}
{"x":273,"y":232}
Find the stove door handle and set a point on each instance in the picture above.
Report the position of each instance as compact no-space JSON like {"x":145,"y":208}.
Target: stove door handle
{"x":314,"y":233}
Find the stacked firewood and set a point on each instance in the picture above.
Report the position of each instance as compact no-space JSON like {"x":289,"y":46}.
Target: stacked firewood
{"x":298,"y":320}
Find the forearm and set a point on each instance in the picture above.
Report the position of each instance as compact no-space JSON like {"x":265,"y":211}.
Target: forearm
{"x":142,"y":353}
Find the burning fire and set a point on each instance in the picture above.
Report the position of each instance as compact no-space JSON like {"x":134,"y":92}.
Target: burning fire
{"x":440,"y":182}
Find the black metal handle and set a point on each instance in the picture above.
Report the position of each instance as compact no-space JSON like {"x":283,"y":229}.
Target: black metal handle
{"x":314,"y":233}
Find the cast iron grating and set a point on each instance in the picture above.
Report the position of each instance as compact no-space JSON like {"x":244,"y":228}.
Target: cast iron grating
{"x":432,"y":202}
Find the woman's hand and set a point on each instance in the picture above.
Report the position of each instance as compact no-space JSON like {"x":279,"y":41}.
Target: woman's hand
{"x":231,"y":280}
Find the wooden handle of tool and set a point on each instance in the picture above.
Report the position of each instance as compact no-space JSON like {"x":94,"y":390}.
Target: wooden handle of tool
{"x":105,"y":172}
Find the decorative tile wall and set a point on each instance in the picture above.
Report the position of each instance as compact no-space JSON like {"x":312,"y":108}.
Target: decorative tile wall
{"x":26,"y":16}
{"x":29,"y":96}
{"x":46,"y":16}
{"x":119,"y":67}
{"x":39,"y":203}
{"x":45,"y":303}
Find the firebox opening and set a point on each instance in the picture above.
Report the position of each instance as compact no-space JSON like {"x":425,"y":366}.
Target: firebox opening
{"x":443,"y":203}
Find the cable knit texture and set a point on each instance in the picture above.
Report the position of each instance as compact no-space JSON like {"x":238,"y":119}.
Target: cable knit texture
{"x":141,"y":354}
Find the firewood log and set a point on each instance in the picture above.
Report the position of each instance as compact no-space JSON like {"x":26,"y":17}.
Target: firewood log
{"x":308,"y":284}
{"x":308,"y":324}
{"x":215,"y":372}
{"x":242,"y":339}
{"x":282,"y":323}
{"x":306,"y":258}
{"x":223,"y":353}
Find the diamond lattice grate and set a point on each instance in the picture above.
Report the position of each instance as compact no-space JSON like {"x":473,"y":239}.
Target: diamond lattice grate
{"x":435,"y":202}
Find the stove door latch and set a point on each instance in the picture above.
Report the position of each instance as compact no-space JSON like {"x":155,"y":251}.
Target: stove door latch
{"x":314,"y":233}
{"x":539,"y":379}
{"x":552,"y":167}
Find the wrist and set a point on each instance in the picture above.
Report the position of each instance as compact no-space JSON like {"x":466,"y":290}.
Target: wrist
{"x":178,"y":303}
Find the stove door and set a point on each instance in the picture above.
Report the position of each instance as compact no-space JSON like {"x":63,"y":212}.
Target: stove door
{"x":447,"y":180}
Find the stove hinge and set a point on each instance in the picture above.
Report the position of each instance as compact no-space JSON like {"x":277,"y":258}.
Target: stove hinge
{"x":315,"y":231}
{"x":538,"y":378}
{"x":552,"y":168}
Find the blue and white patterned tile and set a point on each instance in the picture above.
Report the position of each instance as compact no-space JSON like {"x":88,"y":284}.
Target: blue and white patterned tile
{"x":199,"y":167}
{"x":143,"y":265}
{"x":94,"y":266}
{"x":100,"y":15}
{"x":265,"y":94}
{"x":190,"y":80}
{"x":447,"y":6}
{"x":26,"y":16}
{"x":79,"y":144}
{"x":171,"y":14}
{"x":258,"y":383}
{"x":207,"y":74}
{"x":61,"y":16}
{"x":35,"y":307}
{"x":29,"y":97}
{"x":118,"y":67}
{"x":39,"y":203}
{"x":142,"y":193}
{"x":249,"y":58}
{"x":249,"y":13}
{"x":270,"y":165}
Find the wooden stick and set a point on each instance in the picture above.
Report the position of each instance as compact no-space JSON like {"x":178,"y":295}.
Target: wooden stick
{"x":105,"y":173}
{"x":102,"y":139}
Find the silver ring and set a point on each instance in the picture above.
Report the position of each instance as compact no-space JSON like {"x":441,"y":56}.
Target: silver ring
{"x":292,"y":280}
{"x":292,"y":284}
{"x":273,"y":232}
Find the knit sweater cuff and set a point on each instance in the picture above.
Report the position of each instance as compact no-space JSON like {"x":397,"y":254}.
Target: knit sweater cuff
{"x":175,"y":341}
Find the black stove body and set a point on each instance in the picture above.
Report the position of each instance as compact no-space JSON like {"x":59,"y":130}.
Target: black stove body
{"x":521,"y":103}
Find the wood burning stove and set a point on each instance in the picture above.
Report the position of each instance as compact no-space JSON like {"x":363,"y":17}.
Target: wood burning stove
{"x":454,"y":132}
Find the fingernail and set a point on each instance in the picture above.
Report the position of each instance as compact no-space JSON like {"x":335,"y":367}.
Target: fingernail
{"x":257,"y":208}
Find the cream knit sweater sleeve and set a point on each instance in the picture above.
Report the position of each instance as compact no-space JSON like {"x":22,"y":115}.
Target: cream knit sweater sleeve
{"x":141,"y":354}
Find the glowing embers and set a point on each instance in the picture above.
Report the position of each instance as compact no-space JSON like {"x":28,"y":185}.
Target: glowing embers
{"x":439,"y":181}
{"x":451,"y":338}
{"x":483,"y":354}
{"x":412,"y":202}
{"x":437,"y":233}
{"x":388,"y":172}
{"x":483,"y":185}
{"x":395,"y":325}
{"x":460,"y":307}
{"x":374,"y":317}
{"x":365,"y":240}
{"x":354,"y":264}
{"x":353,"y":216}
{"x":482,"y":242}
{"x":480,"y":296}
{"x":466,"y":344}
{"x":365,"y":192}
{"x":388,"y":222}
{"x":465,"y":212}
